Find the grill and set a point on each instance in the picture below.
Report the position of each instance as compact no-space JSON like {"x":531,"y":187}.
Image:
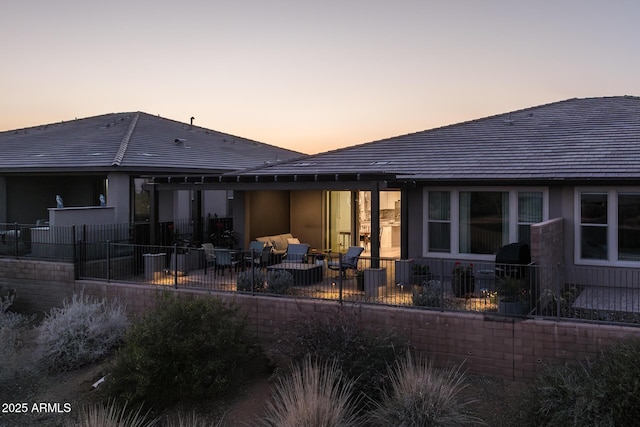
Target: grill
{"x":512,"y":260}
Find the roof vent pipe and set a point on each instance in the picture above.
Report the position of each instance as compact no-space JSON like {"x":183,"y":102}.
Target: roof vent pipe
{"x":191,"y":125}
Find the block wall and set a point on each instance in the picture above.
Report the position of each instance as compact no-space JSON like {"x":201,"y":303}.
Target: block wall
{"x":487,"y":344}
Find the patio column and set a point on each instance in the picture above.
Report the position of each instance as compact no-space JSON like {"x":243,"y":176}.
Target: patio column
{"x":3,"y":199}
{"x":196,"y":215}
{"x":154,"y":226}
{"x":375,"y":226}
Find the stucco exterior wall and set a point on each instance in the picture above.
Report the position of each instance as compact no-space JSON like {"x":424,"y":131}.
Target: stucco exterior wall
{"x":547,"y":250}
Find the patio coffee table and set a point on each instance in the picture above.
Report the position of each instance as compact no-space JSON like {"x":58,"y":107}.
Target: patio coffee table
{"x":303,"y":273}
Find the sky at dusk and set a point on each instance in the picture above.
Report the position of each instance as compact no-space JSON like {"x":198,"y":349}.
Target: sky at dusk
{"x":310,"y":75}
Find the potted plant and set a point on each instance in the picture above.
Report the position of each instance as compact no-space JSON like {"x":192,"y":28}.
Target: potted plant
{"x":512,"y":294}
{"x":463,"y":282}
{"x":420,"y":274}
{"x":224,"y":239}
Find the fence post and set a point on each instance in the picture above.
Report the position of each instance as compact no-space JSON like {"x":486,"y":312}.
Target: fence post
{"x":558,"y":297}
{"x":108,"y":261}
{"x":74,"y":255}
{"x":253,"y":273}
{"x":16,"y":239}
{"x":441,"y":285}
{"x":340,"y":280}
{"x":175,"y":265}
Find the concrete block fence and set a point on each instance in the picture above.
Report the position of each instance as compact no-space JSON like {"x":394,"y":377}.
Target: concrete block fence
{"x":505,"y":347}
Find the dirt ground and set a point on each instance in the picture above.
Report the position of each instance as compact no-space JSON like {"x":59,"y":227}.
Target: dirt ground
{"x":498,"y":401}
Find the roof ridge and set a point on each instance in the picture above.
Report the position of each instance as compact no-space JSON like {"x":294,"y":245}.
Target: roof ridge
{"x":124,"y":144}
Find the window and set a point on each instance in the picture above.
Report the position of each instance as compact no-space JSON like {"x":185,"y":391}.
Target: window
{"x":439,"y":221}
{"x":629,"y":227}
{"x":608,"y":226}
{"x":141,"y":200}
{"x":529,"y":212}
{"x":593,"y":226}
{"x":480,"y":222}
{"x":484,"y":221}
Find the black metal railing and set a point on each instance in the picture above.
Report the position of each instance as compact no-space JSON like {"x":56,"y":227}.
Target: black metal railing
{"x":106,"y":253}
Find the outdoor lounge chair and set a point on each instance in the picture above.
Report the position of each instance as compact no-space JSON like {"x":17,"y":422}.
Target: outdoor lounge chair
{"x":348,"y":261}
{"x":296,"y":252}
{"x":259,"y":254}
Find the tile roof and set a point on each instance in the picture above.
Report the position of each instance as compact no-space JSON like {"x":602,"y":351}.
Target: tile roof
{"x":576,"y":139}
{"x":131,"y":141}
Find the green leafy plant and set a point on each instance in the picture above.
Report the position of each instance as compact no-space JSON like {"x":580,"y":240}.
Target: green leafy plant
{"x":279,"y":282}
{"x":184,"y":348}
{"x":313,"y":394}
{"x":512,"y":289}
{"x":420,"y":274}
{"x":604,"y":391}
{"x":421,"y":395}
{"x":460,"y":270}
{"x":83,"y":331}
{"x":427,"y":295}
{"x":224,"y":238}
{"x":249,"y":280}
{"x":462,"y":280}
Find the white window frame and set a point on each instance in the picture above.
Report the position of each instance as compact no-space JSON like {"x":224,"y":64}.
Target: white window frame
{"x":455,"y":218}
{"x":612,"y":226}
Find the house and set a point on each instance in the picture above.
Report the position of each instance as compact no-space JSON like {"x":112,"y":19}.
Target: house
{"x":108,"y":155}
{"x":463,"y":191}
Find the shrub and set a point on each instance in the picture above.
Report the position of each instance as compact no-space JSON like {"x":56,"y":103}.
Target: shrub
{"x":109,"y":415}
{"x":251,"y":280}
{"x":604,"y":391}
{"x":191,"y":420}
{"x":363,"y":356}
{"x":279,"y":281}
{"x":427,"y":295}
{"x":12,"y":326}
{"x":313,"y":394}
{"x":83,"y":331}
{"x":185,"y":348}
{"x":421,"y":395}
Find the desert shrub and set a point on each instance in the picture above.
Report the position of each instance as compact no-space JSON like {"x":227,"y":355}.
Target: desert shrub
{"x":279,"y":282}
{"x":12,"y":326}
{"x":313,"y":394}
{"x":110,"y":415}
{"x":604,"y":391}
{"x":191,"y":420}
{"x":249,"y":280}
{"x":83,"y":331}
{"x":429,"y":294}
{"x":421,"y":395}
{"x":184,"y":348}
{"x":363,"y":356}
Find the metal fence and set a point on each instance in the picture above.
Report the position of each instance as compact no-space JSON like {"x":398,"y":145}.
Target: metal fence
{"x":431,"y":284}
{"x":113,"y":253}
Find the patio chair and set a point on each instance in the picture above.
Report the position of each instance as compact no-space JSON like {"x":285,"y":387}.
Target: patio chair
{"x":209,"y":253}
{"x":225,"y":259}
{"x":296,"y":252}
{"x":348,"y":261}
{"x":256,"y":254}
